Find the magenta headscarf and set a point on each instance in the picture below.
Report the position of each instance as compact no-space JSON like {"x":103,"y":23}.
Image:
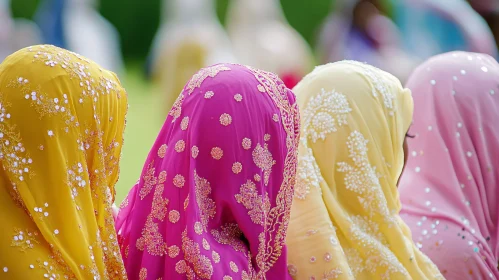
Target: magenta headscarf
{"x":214,"y":198}
{"x":449,"y":189}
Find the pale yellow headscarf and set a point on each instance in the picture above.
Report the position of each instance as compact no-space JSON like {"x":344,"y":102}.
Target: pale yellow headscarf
{"x":61,"y":131}
{"x":344,"y":219}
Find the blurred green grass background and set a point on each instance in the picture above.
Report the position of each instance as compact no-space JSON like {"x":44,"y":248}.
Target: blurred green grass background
{"x":137,"y":23}
{"x":144,"y":120}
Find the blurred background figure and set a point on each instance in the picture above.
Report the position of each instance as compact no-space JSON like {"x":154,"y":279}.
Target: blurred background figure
{"x":262,"y":38}
{"x":489,"y":9}
{"x":360,"y":30}
{"x":430,"y":27}
{"x":190,"y":37}
{"x":15,"y":34}
{"x":396,"y":35}
{"x":78,"y":26}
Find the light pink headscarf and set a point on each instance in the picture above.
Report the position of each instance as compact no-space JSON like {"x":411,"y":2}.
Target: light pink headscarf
{"x":215,"y":194}
{"x":449,"y":189}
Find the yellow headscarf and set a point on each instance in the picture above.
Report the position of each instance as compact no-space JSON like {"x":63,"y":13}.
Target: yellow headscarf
{"x":344,"y":219}
{"x":61,"y":131}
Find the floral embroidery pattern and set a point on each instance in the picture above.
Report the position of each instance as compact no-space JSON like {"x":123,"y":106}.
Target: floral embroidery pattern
{"x":178,"y":181}
{"x":379,"y":84}
{"x":217,"y":153}
{"x":201,"y":265}
{"x":324,"y":113}
{"x":263,"y":159}
{"x":225,"y":119}
{"x":230,"y":234}
{"x":143,"y":274}
{"x":24,"y":239}
{"x":162,"y":151}
{"x":176,"y":109}
{"x":308,"y":174}
{"x":363,"y":179}
{"x":237,"y":167}
{"x":278,"y":217}
{"x":12,"y":152}
{"x":180,"y":146}
{"x":203,"y":74}
{"x":185,"y":123}
{"x":149,"y":181}
{"x":205,"y":203}
{"x":194,"y":152}
{"x":368,"y":236}
{"x":151,"y":240}
{"x":258,"y":205}
{"x":246,"y":143}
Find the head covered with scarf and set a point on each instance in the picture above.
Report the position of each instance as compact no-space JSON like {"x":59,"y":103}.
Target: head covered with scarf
{"x":450,"y":187}
{"x":61,"y":130}
{"x":344,"y":219}
{"x":214,"y":197}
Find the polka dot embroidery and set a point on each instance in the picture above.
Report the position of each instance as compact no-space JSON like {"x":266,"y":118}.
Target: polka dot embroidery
{"x":237,"y":167}
{"x":246,"y":143}
{"x":185,"y":123}
{"x":217,"y":153}
{"x":179,"y":181}
{"x":162,"y":177}
{"x":215,"y":256}
{"x":162,"y":151}
{"x":238,"y":97}
{"x":209,"y":94}
{"x":174,"y":216}
{"x":173,"y":251}
{"x":233,"y":266}
{"x":180,"y":146}
{"x":194,"y":151}
{"x":225,"y":119}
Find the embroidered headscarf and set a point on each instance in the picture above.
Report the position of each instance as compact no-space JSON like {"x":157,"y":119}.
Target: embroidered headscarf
{"x":449,"y":190}
{"x":214,"y":198}
{"x":344,"y":219}
{"x":61,"y":130}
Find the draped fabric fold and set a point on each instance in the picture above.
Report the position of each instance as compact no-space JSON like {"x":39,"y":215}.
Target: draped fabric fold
{"x":450,"y":187}
{"x":344,"y":219}
{"x":61,"y":130}
{"x":214,"y":197}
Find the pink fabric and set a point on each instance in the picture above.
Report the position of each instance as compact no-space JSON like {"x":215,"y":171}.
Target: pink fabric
{"x":214,"y":198}
{"x":449,"y":188}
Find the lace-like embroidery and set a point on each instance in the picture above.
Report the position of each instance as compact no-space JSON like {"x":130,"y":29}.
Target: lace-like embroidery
{"x":149,"y":181}
{"x":324,"y":113}
{"x":204,"y":73}
{"x":308,"y":174}
{"x":230,"y":234}
{"x":379,"y":84}
{"x":378,"y":254}
{"x":362,"y":178}
{"x":176,"y":109}
{"x":264,"y":160}
{"x":151,"y":239}
{"x":258,"y":205}
{"x":277,"y":222}
{"x":206,"y":205}
{"x":201,"y":264}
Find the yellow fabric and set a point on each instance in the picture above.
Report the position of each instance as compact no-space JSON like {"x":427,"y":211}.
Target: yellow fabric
{"x":61,"y":131}
{"x":176,"y":67}
{"x":344,"y":219}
